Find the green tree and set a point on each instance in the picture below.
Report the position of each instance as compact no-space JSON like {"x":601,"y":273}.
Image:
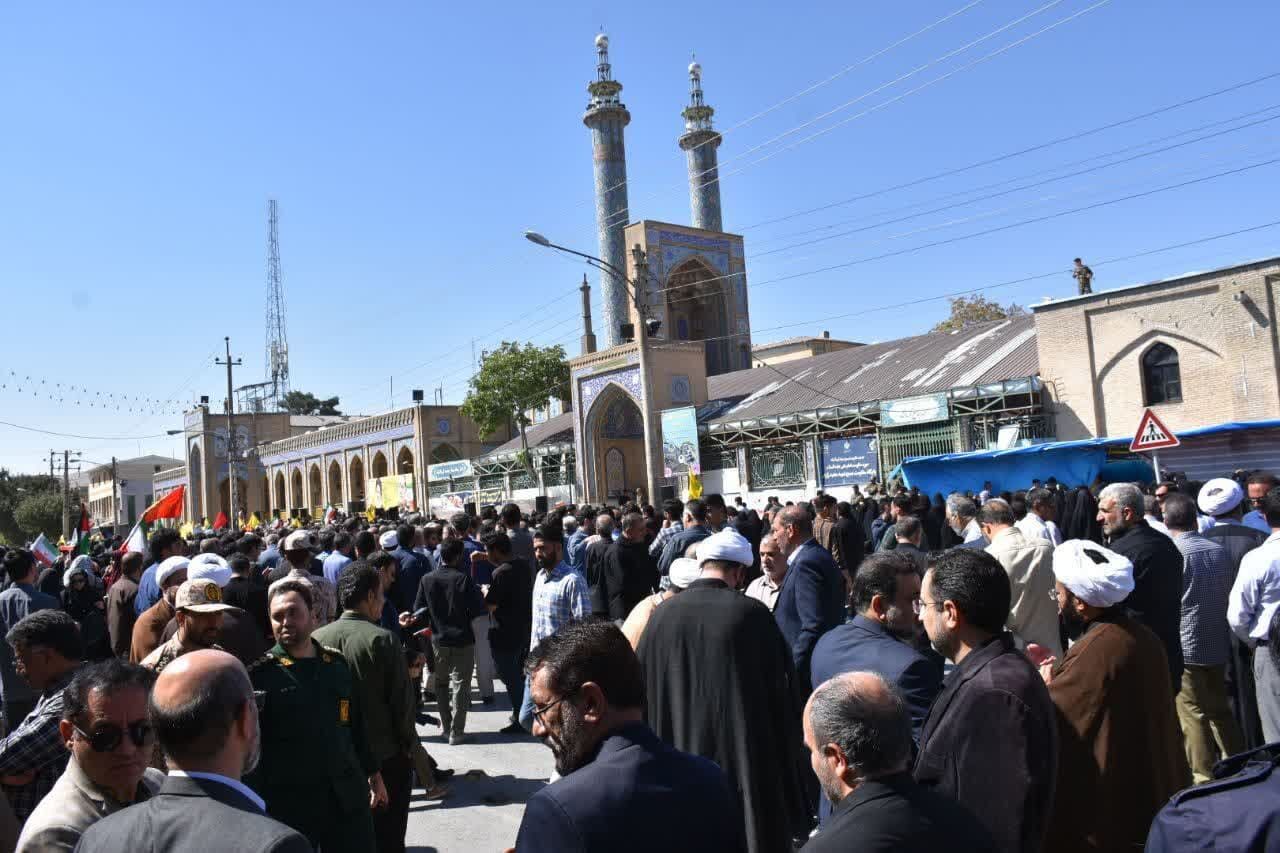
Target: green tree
{"x":13,"y":488}
{"x":304,"y":403}
{"x":970,"y":310}
{"x":39,"y":513}
{"x":512,"y":380}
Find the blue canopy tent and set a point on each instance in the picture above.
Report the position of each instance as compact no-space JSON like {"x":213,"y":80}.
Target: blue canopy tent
{"x":1072,"y":463}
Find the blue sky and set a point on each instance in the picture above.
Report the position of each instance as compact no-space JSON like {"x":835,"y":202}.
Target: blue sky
{"x":410,"y":144}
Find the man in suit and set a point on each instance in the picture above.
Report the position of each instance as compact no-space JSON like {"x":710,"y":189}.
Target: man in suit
{"x":203,"y":711}
{"x":622,"y":789}
{"x":990,"y":740}
{"x":104,"y":726}
{"x":812,"y":598}
{"x":859,"y":738}
{"x":1028,"y":561}
{"x":886,"y":598}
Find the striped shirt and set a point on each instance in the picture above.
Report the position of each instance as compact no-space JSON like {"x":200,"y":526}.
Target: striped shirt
{"x":1206,"y":583}
{"x":559,"y":597}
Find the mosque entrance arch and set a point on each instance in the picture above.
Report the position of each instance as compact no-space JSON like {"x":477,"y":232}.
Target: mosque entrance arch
{"x":615,"y":432}
{"x":696,"y":311}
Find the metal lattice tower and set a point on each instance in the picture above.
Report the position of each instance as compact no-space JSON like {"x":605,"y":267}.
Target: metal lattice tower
{"x":277,"y":343}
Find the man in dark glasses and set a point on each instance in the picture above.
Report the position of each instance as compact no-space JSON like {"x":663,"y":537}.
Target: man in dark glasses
{"x":104,"y":725}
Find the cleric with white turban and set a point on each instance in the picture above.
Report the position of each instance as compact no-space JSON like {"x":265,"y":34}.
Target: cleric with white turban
{"x":1095,"y":575}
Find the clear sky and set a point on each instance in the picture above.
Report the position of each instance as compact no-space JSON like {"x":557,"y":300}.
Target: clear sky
{"x":410,"y":144}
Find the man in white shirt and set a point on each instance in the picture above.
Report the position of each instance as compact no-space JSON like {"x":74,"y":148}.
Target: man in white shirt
{"x":1254,"y":599}
{"x":765,"y":588}
{"x":962,"y":516}
{"x":1039,"y":520}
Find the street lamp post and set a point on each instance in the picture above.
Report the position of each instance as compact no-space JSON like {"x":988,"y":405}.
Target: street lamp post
{"x":642,"y":342}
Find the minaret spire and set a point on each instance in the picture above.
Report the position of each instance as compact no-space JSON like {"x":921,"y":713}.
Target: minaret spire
{"x":700,"y":141}
{"x":607,"y":118}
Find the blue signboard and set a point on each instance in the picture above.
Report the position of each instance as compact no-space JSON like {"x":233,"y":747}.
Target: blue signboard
{"x":848,"y":461}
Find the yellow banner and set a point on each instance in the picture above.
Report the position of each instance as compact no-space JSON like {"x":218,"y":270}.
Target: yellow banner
{"x":388,"y":492}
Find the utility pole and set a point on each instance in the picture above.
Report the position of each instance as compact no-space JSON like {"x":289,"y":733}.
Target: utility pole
{"x":642,"y":355}
{"x":231,"y":436}
{"x":66,"y":494}
{"x":115,"y":495}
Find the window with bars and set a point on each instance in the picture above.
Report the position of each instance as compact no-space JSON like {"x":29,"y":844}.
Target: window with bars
{"x":776,"y":466}
{"x":523,"y":480}
{"x":492,"y":481}
{"x":1161,"y":375}
{"x":715,"y":457}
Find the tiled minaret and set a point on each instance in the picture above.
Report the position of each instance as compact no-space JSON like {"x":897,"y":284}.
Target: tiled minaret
{"x":700,"y":142}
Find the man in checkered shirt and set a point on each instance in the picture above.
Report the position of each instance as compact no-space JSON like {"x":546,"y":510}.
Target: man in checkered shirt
{"x":559,"y":596}
{"x":49,"y":650}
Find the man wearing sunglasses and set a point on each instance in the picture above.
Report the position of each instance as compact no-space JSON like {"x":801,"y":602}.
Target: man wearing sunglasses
{"x":104,"y":725}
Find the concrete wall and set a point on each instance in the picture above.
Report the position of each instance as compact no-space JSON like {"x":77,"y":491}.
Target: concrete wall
{"x":1222,"y":324}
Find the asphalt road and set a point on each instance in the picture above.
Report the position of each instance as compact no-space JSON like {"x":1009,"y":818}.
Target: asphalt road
{"x":496,"y":774}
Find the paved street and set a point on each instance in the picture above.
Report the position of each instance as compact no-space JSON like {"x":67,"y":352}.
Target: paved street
{"x":496,"y":773}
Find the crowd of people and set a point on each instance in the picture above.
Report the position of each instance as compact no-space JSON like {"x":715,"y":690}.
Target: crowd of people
{"x":1055,"y":669}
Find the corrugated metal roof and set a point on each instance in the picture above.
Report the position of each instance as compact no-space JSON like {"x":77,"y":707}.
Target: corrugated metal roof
{"x":801,"y":339}
{"x":554,"y":431}
{"x":924,"y":364}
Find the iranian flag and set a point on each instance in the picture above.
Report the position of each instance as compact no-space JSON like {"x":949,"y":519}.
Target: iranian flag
{"x":43,"y":551}
{"x":169,"y":506}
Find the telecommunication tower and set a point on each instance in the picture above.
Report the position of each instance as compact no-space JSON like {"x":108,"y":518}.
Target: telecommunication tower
{"x":277,"y":344}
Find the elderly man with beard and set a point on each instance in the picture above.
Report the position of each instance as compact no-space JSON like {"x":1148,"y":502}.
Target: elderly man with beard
{"x":621,"y":788}
{"x":720,"y":683}
{"x":148,"y":631}
{"x":989,"y":741}
{"x":205,"y":719}
{"x":1121,"y":753}
{"x":104,"y":726}
{"x":859,"y":739}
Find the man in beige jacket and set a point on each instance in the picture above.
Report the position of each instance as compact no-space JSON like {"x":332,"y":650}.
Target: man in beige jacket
{"x":1033,"y":614}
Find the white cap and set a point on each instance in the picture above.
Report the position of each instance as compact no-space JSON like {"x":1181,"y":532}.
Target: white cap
{"x":1219,"y":496}
{"x":684,"y":571}
{"x":166,"y":569}
{"x":1097,"y":575}
{"x":389,"y":540}
{"x":728,"y":545}
{"x":209,"y":567}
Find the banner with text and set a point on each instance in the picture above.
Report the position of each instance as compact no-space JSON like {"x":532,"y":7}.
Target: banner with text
{"x":849,"y":461}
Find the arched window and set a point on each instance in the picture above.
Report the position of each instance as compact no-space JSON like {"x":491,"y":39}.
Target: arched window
{"x":1161,"y":378}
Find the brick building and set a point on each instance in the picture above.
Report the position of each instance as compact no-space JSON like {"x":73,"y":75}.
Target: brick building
{"x":1199,"y":349}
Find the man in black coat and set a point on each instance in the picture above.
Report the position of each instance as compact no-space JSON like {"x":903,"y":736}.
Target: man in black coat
{"x":859,"y":738}
{"x":629,"y":572}
{"x":593,"y":562}
{"x":621,"y":788}
{"x":1156,"y":600}
{"x":203,"y":710}
{"x":719,"y":683}
{"x":990,"y":740}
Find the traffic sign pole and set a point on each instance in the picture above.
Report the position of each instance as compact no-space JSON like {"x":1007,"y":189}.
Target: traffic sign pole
{"x":1155,"y":463}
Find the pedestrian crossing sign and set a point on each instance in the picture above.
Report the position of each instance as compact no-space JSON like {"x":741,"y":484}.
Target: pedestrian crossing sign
{"x":1152,"y":434}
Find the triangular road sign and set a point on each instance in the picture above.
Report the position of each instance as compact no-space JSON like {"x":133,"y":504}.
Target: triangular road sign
{"x":1152,"y":434}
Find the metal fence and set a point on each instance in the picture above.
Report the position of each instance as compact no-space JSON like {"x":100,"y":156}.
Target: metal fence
{"x":775,"y":466}
{"x":925,"y":440}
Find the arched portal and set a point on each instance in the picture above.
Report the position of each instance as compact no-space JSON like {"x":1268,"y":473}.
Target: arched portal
{"x":296,"y":497}
{"x":696,"y":312}
{"x":379,"y":465}
{"x":444,"y":452}
{"x":282,"y":498}
{"x":316,"y":496}
{"x":195,"y":479}
{"x":335,"y":483}
{"x":356,"y":478}
{"x":615,"y":431}
{"x":404,"y":461}
{"x":224,"y":498}
{"x":265,"y":502}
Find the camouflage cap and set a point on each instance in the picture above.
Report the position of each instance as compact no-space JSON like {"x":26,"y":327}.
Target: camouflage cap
{"x":200,"y":596}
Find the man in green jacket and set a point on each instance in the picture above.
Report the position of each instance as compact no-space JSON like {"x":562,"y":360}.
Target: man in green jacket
{"x":386,"y":695}
{"x":317,"y":772}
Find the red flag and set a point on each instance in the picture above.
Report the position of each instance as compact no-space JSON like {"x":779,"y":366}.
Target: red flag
{"x":220,"y":523}
{"x":169,"y":506}
{"x":86,"y":523}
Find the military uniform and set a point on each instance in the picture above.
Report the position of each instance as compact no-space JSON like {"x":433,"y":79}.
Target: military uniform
{"x":315,"y":762}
